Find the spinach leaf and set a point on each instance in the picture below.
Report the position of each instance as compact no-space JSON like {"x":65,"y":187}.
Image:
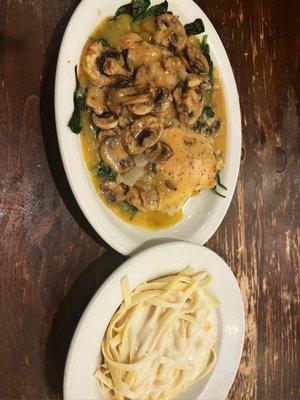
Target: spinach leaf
{"x":126,"y":9}
{"x":194,"y":28}
{"x":139,"y":8}
{"x":103,"y":41}
{"x":207,"y":112}
{"x":215,"y":191}
{"x":204,"y":47}
{"x":158,"y":9}
{"x":219,"y":184}
{"x":79,"y":106}
{"x":105,"y":172}
{"x":128,"y":208}
{"x":219,"y":181}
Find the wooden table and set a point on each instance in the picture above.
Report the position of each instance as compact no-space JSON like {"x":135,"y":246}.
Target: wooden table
{"x":51,"y":259}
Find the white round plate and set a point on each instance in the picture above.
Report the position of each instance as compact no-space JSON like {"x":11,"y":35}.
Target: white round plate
{"x":202,"y":214}
{"x":164,"y":259}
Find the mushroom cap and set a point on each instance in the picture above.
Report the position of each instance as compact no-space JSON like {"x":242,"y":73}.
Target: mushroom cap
{"x":105,"y":120}
{"x":188,"y":104}
{"x":113,"y":192}
{"x":143,"y":133}
{"x":170,"y":32}
{"x":115,"y":156}
{"x":89,"y":64}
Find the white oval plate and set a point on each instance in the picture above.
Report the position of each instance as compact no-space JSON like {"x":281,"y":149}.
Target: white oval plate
{"x":202,"y":214}
{"x":83,"y":356}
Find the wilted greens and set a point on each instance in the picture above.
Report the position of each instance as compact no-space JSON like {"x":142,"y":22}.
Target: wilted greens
{"x":215,"y":189}
{"x":79,"y":106}
{"x":128,"y":208}
{"x":194,"y":28}
{"x":104,"y":172}
{"x":204,"y":46}
{"x":139,"y":9}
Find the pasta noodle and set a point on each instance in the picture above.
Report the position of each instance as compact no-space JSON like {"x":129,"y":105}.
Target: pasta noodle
{"x":160,"y":341}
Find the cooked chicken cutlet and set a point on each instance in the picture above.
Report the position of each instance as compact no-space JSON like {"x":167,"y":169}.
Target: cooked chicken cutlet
{"x":192,"y":167}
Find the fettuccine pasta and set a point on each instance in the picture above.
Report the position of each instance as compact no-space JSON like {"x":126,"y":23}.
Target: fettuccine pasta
{"x":160,"y":340}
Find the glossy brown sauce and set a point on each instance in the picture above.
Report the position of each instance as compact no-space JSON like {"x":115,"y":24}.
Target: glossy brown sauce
{"x":112,"y":31}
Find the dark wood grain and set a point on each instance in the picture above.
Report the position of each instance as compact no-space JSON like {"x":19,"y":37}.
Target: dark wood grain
{"x":51,"y":259}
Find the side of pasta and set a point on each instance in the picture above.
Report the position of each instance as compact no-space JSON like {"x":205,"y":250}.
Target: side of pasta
{"x":145,"y":104}
{"x":161,"y":339}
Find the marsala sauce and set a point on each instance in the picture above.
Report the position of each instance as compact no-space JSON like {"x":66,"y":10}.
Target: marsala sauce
{"x":112,"y":31}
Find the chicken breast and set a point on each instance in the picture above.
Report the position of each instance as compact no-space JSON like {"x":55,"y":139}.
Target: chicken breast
{"x":192,"y":167}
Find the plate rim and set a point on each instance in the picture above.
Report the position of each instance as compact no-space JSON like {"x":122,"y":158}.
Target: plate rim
{"x":128,"y":265}
{"x":104,"y":227}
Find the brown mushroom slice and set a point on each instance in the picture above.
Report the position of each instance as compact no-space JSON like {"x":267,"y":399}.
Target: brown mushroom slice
{"x":89,"y":64}
{"x":113,"y":192}
{"x":124,"y":121}
{"x":196,"y":58}
{"x":105,"y":120}
{"x":188,"y":105}
{"x":111,"y":62}
{"x":96,"y":99}
{"x":150,"y":199}
{"x":143,"y":133}
{"x":144,"y":200}
{"x":170,"y":32}
{"x":141,"y":104}
{"x":199,"y":82}
{"x":114,"y":155}
{"x":106,"y":133}
{"x":118,"y":98}
{"x":162,"y":100}
{"x":160,"y":152}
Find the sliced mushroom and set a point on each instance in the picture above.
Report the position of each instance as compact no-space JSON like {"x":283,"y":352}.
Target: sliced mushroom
{"x":118,"y":95}
{"x":143,"y":133}
{"x":162,"y":100}
{"x":114,"y":155}
{"x":140,"y":104}
{"x":144,"y":200}
{"x":150,"y":199}
{"x":124,"y":121}
{"x":134,"y":198}
{"x":89,"y":63}
{"x":111,"y":62}
{"x":96,"y":99}
{"x":121,"y":81}
{"x":160,"y":152}
{"x":106,"y":133}
{"x":188,"y":105}
{"x":113,"y":192}
{"x":196,"y":58}
{"x":105,"y":121}
{"x":137,"y":98}
{"x":170,"y":32}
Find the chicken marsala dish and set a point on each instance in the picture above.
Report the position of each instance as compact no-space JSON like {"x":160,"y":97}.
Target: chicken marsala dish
{"x":149,"y":109}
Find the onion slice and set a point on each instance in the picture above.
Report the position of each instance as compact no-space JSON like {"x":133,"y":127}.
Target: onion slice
{"x":131,"y":177}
